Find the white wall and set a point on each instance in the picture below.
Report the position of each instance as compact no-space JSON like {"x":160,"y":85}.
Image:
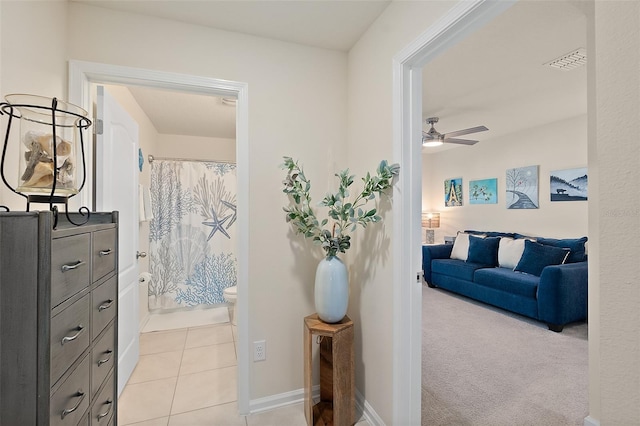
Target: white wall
{"x":614,"y":339}
{"x":370,"y":140}
{"x":556,"y":146}
{"x":33,"y":62}
{"x":297,"y":106}
{"x":195,"y":147}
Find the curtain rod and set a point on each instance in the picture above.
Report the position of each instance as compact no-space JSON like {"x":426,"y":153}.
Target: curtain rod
{"x":151,"y":159}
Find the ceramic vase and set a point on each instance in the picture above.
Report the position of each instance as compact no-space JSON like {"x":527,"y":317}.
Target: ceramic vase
{"x":331,"y":290}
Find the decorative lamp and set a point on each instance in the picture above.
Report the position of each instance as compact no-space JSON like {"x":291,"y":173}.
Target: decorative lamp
{"x":430,"y":220}
{"x":50,"y":148}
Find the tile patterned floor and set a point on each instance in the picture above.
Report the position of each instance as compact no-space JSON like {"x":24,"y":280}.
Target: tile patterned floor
{"x":188,"y":377}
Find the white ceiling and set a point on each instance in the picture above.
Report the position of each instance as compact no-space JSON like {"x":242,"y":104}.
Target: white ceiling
{"x":495,"y":77}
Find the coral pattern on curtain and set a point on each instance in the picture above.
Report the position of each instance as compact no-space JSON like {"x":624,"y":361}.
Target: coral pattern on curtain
{"x":192,"y":236}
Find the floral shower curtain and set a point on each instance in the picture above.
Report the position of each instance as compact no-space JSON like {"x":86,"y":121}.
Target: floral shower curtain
{"x":192,"y":236}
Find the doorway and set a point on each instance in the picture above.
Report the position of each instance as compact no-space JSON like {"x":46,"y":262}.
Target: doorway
{"x":409,"y":121}
{"x":83,"y":74}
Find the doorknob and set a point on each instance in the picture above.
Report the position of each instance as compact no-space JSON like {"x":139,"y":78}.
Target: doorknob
{"x":142,"y":254}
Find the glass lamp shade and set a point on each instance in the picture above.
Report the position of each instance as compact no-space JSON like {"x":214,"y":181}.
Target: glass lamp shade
{"x":50,"y":144}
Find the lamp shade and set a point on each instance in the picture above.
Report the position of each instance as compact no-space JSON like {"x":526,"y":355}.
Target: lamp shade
{"x":431,"y":220}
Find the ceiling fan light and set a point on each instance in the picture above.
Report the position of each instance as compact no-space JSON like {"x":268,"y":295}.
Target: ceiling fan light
{"x":431,"y":143}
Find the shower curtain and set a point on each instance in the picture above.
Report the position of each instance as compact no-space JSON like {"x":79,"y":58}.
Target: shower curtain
{"x":192,"y":236}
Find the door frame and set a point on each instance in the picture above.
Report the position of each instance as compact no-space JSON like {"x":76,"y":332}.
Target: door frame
{"x":82,"y":74}
{"x":463,"y":19}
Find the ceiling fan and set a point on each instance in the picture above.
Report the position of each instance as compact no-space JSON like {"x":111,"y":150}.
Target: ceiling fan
{"x":433,"y":138}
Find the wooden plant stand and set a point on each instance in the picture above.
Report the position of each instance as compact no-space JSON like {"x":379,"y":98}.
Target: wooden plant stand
{"x":337,"y":376}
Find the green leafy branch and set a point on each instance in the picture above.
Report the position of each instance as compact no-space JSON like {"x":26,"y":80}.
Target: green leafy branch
{"x":346,"y":215}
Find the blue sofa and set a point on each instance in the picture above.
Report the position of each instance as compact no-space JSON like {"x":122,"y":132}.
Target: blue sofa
{"x":554,"y":292}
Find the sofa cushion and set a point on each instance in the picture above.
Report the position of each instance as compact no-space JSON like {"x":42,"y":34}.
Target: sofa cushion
{"x":508,"y":281}
{"x":509,"y":252}
{"x":536,"y":256}
{"x":576,"y":245}
{"x":454,"y":268}
{"x":483,"y":250}
{"x":461,"y":247}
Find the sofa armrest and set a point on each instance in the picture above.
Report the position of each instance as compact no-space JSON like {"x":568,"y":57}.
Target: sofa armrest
{"x":430,"y":252}
{"x":562,"y":293}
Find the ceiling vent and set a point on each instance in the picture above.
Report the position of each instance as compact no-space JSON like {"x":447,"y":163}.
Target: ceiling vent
{"x":570,"y":61}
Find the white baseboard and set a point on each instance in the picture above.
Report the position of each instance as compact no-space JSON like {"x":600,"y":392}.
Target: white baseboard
{"x":297,"y":396}
{"x":368,"y":413}
{"x":590,"y":421}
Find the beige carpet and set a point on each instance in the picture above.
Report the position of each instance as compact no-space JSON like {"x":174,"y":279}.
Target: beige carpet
{"x":484,"y":366}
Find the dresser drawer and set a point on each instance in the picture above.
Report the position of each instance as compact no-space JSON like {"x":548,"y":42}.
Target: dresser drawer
{"x":104,"y":253}
{"x":102,"y":359}
{"x":70,"y":266}
{"x":70,"y":401}
{"x":104,"y":305}
{"x":69,"y":336}
{"x":103,"y":405}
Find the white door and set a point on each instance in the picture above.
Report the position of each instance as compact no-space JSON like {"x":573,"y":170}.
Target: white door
{"x":117,"y":189}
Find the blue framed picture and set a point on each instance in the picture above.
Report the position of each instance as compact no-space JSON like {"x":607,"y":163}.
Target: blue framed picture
{"x":483,"y":191}
{"x":569,"y":184}
{"x":453,"y":192}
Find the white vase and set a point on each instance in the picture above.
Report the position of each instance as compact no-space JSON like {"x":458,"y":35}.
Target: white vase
{"x":331,"y":290}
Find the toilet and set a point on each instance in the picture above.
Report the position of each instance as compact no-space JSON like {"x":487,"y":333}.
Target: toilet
{"x":230,"y":295}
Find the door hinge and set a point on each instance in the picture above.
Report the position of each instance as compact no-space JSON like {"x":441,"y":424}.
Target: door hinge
{"x":419,"y":276}
{"x":98,"y":127}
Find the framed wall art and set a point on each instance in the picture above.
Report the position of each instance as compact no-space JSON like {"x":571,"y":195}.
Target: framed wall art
{"x":453,"y":192}
{"x":522,"y":188}
{"x":483,"y":191}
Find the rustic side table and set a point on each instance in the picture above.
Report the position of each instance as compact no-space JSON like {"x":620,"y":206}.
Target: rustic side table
{"x":337,"y":376}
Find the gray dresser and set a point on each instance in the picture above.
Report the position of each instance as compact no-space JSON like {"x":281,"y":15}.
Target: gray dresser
{"x":58,"y":320}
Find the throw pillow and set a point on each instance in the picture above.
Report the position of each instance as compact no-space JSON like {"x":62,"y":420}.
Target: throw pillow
{"x":510,"y":251}
{"x":483,"y":250}
{"x":537,"y":256}
{"x":460,"y":248}
{"x":576,"y":245}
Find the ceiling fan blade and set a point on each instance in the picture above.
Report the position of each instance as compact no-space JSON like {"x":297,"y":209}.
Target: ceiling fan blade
{"x":460,"y":141}
{"x":465,"y":131}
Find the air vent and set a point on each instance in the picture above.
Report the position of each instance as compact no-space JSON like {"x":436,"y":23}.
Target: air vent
{"x":570,"y":61}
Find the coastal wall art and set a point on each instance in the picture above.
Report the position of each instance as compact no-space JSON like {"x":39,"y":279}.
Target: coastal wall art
{"x":522,"y":188}
{"x":568,"y":184}
{"x":453,"y":192}
{"x":483,"y":191}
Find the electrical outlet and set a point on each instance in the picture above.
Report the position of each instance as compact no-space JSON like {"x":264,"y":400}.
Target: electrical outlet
{"x":259,"y":350}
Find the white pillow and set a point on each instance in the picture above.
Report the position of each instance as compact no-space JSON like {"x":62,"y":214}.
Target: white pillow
{"x":510,"y":251}
{"x":461,"y":246}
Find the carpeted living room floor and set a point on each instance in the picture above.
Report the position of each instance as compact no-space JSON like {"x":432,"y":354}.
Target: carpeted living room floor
{"x":484,"y":366}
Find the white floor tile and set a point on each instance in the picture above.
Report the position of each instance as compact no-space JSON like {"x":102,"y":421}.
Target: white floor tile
{"x":162,"y":341}
{"x":205,"y":389}
{"x":208,"y":358}
{"x":156,"y":366}
{"x":146,"y":401}
{"x":226,"y":414}
{"x":206,"y":336}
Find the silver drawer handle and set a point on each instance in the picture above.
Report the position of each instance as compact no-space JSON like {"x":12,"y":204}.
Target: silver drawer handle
{"x":68,"y":411}
{"x":109,"y":353}
{"x":106,"y":252}
{"x":105,"y":305}
{"x":71,"y":266}
{"x":106,"y":413}
{"x":66,"y":339}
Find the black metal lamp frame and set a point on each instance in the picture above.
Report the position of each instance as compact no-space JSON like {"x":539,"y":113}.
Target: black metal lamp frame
{"x":83,"y":123}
